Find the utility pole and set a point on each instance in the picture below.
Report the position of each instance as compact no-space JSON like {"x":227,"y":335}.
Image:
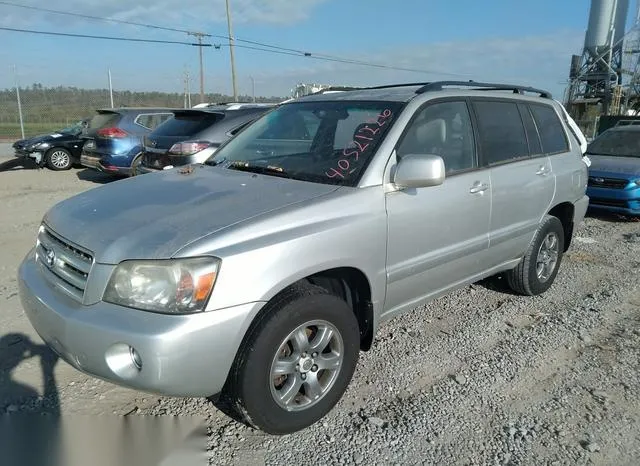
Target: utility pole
{"x":110,"y":89}
{"x":233,"y":63}
{"x":253,"y":88}
{"x":15,"y":74}
{"x":199,"y":36}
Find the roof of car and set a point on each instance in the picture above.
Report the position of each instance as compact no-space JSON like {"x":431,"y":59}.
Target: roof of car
{"x":625,"y":128}
{"x":135,"y":109}
{"x":408,"y":91}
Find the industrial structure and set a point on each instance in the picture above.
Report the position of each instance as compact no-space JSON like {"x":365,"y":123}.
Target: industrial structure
{"x":605,"y":79}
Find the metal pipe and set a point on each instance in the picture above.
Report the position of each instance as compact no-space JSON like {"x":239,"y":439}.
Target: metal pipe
{"x":15,"y":74}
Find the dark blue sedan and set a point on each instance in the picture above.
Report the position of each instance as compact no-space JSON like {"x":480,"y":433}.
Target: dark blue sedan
{"x":614,"y":174}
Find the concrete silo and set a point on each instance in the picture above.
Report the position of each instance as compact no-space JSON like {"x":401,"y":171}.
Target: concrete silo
{"x":596,"y":73}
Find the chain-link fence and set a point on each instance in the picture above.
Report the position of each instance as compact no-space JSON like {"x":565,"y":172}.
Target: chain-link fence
{"x":30,"y":109}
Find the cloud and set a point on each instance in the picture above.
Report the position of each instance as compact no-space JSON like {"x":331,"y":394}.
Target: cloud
{"x":541,"y":61}
{"x":172,"y":13}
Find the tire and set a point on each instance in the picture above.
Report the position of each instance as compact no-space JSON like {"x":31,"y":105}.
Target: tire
{"x":538,"y":268}
{"x":137,"y":160}
{"x":58,"y":159}
{"x":253,"y":390}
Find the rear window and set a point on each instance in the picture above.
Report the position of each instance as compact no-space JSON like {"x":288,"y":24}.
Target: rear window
{"x":550,"y":129}
{"x":103,"y":120}
{"x":187,"y":124}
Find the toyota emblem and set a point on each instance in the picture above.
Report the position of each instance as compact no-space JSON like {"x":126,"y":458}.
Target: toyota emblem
{"x":50,"y":257}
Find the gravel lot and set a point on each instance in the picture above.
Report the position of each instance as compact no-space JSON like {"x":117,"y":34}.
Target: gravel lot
{"x":478,"y":377}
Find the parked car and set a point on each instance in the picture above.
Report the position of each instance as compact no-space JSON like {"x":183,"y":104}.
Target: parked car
{"x":192,"y":136}
{"x":614,"y":174}
{"x":260,"y":275}
{"x":113,"y":139}
{"x":58,"y":150}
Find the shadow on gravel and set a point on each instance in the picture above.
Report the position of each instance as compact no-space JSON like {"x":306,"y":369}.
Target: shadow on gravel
{"x":17,"y":163}
{"x":497,"y":283}
{"x":14,"y":349}
{"x":611,"y":217}
{"x":89,"y":174}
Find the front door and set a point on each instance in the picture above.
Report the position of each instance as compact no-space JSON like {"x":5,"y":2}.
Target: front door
{"x":437,"y":236}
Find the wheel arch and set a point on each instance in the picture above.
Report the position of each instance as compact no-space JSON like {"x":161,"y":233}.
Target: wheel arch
{"x":564,"y":212}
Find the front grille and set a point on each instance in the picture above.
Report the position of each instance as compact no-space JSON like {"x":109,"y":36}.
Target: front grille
{"x":613,"y":183}
{"x":609,"y":202}
{"x":67,"y":266}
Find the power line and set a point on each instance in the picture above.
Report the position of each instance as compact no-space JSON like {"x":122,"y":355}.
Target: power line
{"x":97,"y":18}
{"x":258,"y":46}
{"x":89,"y":36}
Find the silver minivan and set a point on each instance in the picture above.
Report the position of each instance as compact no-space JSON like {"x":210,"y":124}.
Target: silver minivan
{"x":259,"y":275}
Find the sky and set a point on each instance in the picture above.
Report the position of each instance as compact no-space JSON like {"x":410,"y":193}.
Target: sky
{"x":491,"y":40}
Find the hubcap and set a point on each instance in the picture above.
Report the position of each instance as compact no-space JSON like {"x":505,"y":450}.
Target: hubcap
{"x":306,"y":365}
{"x":59,"y":159}
{"x":547,"y":257}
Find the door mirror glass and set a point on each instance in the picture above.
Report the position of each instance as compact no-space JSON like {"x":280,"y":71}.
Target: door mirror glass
{"x":419,"y":171}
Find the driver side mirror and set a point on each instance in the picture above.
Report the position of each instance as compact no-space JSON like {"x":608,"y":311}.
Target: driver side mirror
{"x":419,"y":171}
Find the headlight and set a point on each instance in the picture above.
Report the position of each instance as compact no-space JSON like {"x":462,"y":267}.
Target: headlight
{"x":41,"y":146}
{"x":175,"y":286}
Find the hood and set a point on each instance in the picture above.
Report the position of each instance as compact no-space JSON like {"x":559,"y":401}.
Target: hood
{"x":625,"y":166}
{"x":43,"y":138}
{"x":154,"y":215}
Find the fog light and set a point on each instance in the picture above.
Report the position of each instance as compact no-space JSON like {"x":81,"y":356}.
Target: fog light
{"x":135,"y":357}
{"x":123,"y":360}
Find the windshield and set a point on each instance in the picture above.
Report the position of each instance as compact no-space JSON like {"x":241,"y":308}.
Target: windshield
{"x":616,"y":143}
{"x":75,"y":128}
{"x":324,"y":142}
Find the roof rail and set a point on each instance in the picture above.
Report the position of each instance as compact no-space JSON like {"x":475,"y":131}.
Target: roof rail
{"x":388,"y":86}
{"x":336,"y":88}
{"x":438,"y":86}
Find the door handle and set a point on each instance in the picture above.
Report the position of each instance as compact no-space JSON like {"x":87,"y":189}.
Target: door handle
{"x":543,"y":170}
{"x":478,"y":188}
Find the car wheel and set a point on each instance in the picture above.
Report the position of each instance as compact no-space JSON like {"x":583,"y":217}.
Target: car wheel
{"x":135,"y":164}
{"x":538,"y":268}
{"x":58,"y":159}
{"x":296,"y":361}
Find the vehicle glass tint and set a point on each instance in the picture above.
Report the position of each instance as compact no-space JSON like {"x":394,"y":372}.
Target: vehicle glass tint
{"x":152,"y":120}
{"x":616,"y":143}
{"x":187,"y":124}
{"x":550,"y":128}
{"x":535,"y":147}
{"x":103,"y":120}
{"x":442,"y":129}
{"x":502,"y":135}
{"x":325,"y":142}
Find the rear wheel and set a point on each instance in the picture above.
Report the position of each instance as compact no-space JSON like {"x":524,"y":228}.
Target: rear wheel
{"x":135,"y":164}
{"x":296,"y":361}
{"x":58,"y":159}
{"x":538,"y":268}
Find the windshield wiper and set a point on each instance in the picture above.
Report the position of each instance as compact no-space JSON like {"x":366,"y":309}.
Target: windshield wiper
{"x":243,"y":165}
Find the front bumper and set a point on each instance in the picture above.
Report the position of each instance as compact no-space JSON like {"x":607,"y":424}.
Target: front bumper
{"x":187,"y":355}
{"x":621,"y":201}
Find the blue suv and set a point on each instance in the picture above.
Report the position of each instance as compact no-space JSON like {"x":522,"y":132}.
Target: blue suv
{"x":614,"y":174}
{"x":113,"y":138}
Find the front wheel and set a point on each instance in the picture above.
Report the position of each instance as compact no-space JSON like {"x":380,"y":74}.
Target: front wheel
{"x":296,"y":361}
{"x":538,"y":268}
{"x":58,"y":159}
{"x":135,"y":164}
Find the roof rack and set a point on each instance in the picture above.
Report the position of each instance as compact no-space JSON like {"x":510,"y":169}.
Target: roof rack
{"x":336,"y":89}
{"x":388,"y":86}
{"x":438,"y":86}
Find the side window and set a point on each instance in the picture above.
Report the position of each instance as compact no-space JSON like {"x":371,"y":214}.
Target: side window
{"x":502,"y":135}
{"x":442,"y":129}
{"x":144,"y":120}
{"x":551,"y":132}
{"x":535,"y":147}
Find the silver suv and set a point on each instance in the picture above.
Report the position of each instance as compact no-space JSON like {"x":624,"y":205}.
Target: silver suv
{"x":260,"y":275}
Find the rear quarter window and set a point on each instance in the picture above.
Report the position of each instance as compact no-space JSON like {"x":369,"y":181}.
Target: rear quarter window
{"x":152,"y":120}
{"x":550,"y":128}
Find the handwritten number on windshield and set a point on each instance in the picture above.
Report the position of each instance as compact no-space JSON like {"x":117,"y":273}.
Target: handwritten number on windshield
{"x":364,"y":134}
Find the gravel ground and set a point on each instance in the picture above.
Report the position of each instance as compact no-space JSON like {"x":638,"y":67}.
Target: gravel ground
{"x":478,"y":377}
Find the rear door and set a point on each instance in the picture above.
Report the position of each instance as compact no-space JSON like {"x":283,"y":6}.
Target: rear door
{"x":522,"y":180}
